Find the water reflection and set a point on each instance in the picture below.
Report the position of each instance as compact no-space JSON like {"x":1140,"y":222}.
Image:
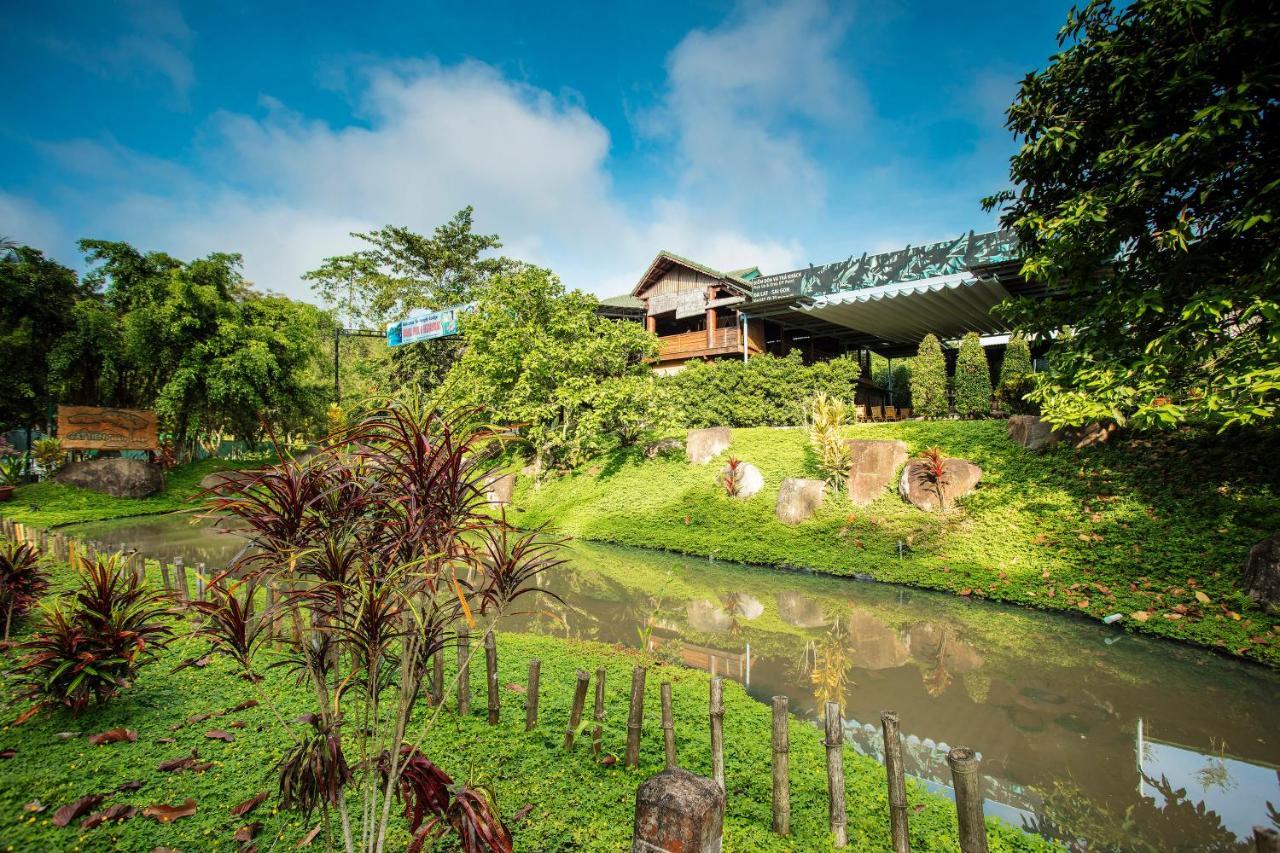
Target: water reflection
{"x":1102,"y":740}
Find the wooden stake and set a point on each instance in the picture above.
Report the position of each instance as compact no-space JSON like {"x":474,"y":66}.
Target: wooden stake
{"x":964,"y":777}
{"x":180,"y":576}
{"x":531,"y":696}
{"x":635,"y":717}
{"x":168,"y":581}
{"x":575,"y":715}
{"x":668,"y":725}
{"x":437,"y":678}
{"x":717,"y":731}
{"x":781,"y":762}
{"x":1266,"y":839}
{"x":897,"y":782}
{"x":464,"y":673}
{"x":597,"y":732}
{"x":491,"y":675}
{"x":201,"y":582}
{"x":835,"y":775}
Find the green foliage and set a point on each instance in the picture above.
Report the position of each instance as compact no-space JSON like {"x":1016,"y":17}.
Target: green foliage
{"x":765,"y":391}
{"x":929,"y":380}
{"x":1146,"y":202}
{"x":973,"y":378}
{"x":827,"y":418}
{"x":541,"y":358}
{"x":48,"y":455}
{"x":897,"y":380}
{"x":1016,"y":377}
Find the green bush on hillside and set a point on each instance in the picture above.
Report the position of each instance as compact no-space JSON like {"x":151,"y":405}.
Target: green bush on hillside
{"x":929,"y":379}
{"x":973,"y":378}
{"x":765,"y":391}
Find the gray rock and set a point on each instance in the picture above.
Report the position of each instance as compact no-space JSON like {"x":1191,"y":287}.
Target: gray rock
{"x":1032,"y":433}
{"x":750,"y":480}
{"x":679,"y":812}
{"x":874,"y":465}
{"x":799,"y":499}
{"x":663,"y":447}
{"x":1262,"y":573}
{"x":916,"y":487}
{"x":1090,"y":434}
{"x":500,"y":488}
{"x":120,"y":478}
{"x":703,"y":445}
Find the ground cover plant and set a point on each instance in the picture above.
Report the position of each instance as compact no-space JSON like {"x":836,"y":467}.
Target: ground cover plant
{"x":1148,"y":527}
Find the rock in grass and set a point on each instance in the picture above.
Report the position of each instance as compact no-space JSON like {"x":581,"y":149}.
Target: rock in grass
{"x":1262,"y":573}
{"x":499,"y":488}
{"x":703,"y":445}
{"x":678,"y":810}
{"x":120,"y":478}
{"x":874,"y":464}
{"x":749,"y":479}
{"x":799,"y":499}
{"x":917,"y":487}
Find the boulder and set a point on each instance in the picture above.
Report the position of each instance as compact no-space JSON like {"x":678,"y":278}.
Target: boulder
{"x":917,"y":488}
{"x":750,"y":480}
{"x":799,"y":499}
{"x":221,"y":482}
{"x":874,"y":464}
{"x":679,"y":812}
{"x":1262,"y":573}
{"x":499,"y":488}
{"x":120,"y":478}
{"x":800,"y":611}
{"x":1031,"y":432}
{"x":703,"y":445}
{"x":1090,"y":434}
{"x":873,"y":644}
{"x":708,"y":617}
{"x":663,"y":447}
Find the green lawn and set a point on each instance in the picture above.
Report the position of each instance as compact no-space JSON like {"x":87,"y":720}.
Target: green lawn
{"x":50,"y":504}
{"x":577,"y":802}
{"x":1148,"y":526}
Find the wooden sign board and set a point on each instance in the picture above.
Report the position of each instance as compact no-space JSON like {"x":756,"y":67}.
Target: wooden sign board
{"x":93,"y":428}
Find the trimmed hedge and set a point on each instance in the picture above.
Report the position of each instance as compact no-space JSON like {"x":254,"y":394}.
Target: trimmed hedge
{"x":929,"y":379}
{"x":765,"y":391}
{"x":973,"y":378}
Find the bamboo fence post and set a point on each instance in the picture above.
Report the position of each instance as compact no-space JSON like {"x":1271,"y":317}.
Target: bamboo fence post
{"x":491,"y":675}
{"x":781,"y":766}
{"x":897,"y":782}
{"x":464,"y":672}
{"x":597,"y":732}
{"x":575,"y":715}
{"x":717,"y":730}
{"x":635,"y":717}
{"x":1266,"y":839}
{"x":964,"y":777}
{"x":437,"y":677}
{"x":167,"y":580}
{"x":180,"y":577}
{"x":201,"y":582}
{"x":531,"y":696}
{"x":835,"y":775}
{"x":668,"y":725}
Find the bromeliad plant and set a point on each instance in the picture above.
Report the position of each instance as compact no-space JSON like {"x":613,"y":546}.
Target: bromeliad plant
{"x":22,"y":580}
{"x":376,"y":551}
{"x":91,"y":644}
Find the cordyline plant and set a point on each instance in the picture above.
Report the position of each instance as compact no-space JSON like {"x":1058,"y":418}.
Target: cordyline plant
{"x":934,"y":473}
{"x":22,"y":580}
{"x":376,"y":550}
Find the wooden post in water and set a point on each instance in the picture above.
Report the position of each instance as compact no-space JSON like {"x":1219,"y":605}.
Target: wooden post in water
{"x":835,"y":775}
{"x":635,"y":717}
{"x":668,"y":725}
{"x":491,"y":676}
{"x":575,"y":715}
{"x":437,"y":677}
{"x":464,"y":672}
{"x":781,"y":766}
{"x":964,"y":778}
{"x":1266,"y":839}
{"x":717,"y":730}
{"x":897,"y":782}
{"x":597,"y":731}
{"x":531,"y":696}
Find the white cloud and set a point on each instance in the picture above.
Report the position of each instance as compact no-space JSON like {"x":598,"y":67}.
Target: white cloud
{"x":154,"y":40}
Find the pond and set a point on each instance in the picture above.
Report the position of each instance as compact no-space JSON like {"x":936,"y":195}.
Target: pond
{"x":1087,"y":734}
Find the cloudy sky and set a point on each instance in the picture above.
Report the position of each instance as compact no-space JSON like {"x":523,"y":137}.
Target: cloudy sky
{"x":588,"y":136}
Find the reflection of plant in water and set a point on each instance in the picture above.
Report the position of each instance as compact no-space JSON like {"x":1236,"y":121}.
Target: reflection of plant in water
{"x":645,"y":631}
{"x":1069,"y":816}
{"x":830,"y":671}
{"x":1215,"y":774}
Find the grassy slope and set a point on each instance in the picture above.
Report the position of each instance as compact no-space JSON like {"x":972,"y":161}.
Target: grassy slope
{"x":578,"y":803}
{"x":1138,"y":526}
{"x":49,"y":504}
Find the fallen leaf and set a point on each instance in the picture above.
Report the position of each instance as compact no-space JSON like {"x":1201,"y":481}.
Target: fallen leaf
{"x":1140,"y":615}
{"x":201,"y":766}
{"x":1180,"y":608}
{"x":116,"y":735}
{"x":8,"y":753}
{"x":168,"y":814}
{"x":129,"y":786}
{"x":34,"y":807}
{"x":1259,"y":639}
{"x":1201,"y":597}
{"x":1173,"y":616}
{"x":70,"y":812}
{"x":120,"y":811}
{"x":1049,"y":592}
{"x":609,"y":760}
{"x":202,"y":662}
{"x":236,"y":724}
{"x":197,"y":718}
{"x":67,"y":735}
{"x":166,"y":740}
{"x":243,"y":706}
{"x":1083,"y":603}
{"x":966,"y":591}
{"x":178,"y":764}
{"x":516,"y":688}
{"x":918,"y":807}
{"x":522,"y":813}
{"x":249,"y":804}
{"x":310,"y":836}
{"x":220,"y":734}
{"x":248,"y":831}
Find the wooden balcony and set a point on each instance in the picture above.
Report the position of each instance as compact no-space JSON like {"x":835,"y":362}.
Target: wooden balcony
{"x":725,"y":341}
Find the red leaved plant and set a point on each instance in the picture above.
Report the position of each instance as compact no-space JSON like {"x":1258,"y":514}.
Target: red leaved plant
{"x":730,"y":479}
{"x":22,"y":580}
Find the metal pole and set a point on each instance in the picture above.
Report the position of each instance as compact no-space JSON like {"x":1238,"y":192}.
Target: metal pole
{"x":337,"y":389}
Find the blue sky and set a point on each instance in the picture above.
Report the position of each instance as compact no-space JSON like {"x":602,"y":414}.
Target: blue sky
{"x":587,"y":135}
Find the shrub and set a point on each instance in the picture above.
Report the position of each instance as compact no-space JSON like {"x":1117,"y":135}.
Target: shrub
{"x":48,"y":454}
{"x":22,"y":580}
{"x":929,"y":379}
{"x":973,"y":378}
{"x":827,"y":418}
{"x":731,"y":479}
{"x":1016,"y":377}
{"x":91,"y":648}
{"x":765,"y":391}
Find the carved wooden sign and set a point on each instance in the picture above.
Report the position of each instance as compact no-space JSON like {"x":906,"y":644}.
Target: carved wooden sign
{"x":94,"y":428}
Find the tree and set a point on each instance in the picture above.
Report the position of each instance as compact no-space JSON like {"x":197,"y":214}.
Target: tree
{"x":1147,"y":202}
{"x":973,"y":378}
{"x":1016,"y":376}
{"x":542,"y":357}
{"x":929,"y":379}
{"x":37,"y":299}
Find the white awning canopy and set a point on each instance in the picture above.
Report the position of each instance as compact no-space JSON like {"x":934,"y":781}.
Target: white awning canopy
{"x":904,"y":312}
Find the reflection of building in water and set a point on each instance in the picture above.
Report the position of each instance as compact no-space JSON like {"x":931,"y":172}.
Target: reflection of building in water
{"x":727,"y":664}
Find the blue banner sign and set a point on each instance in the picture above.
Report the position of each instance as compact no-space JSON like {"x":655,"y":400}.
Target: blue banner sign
{"x":425,"y":326}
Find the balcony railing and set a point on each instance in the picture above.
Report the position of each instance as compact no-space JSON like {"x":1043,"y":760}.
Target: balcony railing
{"x":690,"y":344}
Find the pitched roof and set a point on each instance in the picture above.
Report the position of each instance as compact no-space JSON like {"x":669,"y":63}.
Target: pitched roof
{"x":665,"y":260}
{"x":622,"y":300}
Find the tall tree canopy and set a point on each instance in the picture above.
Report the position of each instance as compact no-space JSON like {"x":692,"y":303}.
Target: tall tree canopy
{"x":1147,"y":190}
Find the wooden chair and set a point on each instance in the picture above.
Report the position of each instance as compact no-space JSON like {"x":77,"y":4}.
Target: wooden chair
{"x":890,"y":413}
{"x":904,"y":413}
